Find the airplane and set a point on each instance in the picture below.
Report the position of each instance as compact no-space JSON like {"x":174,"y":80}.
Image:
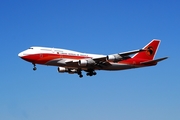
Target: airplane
{"x":73,"y":62}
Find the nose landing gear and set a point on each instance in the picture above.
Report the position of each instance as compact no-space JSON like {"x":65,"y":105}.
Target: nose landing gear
{"x":34,"y":68}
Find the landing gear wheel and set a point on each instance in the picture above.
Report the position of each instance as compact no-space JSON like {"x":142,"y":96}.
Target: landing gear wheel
{"x":80,"y":76}
{"x":87,"y":74}
{"x":79,"y":72}
{"x":94,"y":73}
{"x":34,"y":68}
{"x":91,"y":73}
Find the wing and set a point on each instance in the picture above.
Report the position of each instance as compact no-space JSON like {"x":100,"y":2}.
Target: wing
{"x":117,"y":57}
{"x":103,"y":61}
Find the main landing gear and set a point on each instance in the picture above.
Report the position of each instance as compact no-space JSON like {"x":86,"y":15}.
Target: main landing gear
{"x":80,"y":73}
{"x":34,"y":68}
{"x":91,"y":72}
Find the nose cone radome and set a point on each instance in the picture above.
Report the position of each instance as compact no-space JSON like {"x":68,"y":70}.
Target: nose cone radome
{"x":20,"y":54}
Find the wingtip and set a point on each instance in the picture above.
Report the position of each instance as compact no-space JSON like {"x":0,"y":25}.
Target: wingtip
{"x":166,"y":57}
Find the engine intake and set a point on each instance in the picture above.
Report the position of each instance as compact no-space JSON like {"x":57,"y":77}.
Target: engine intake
{"x":114,"y":58}
{"x":86,"y":62}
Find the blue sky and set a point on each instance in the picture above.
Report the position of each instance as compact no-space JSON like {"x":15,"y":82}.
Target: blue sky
{"x":93,"y":26}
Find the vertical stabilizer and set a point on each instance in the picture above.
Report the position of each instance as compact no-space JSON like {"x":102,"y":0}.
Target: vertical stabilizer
{"x":150,"y":51}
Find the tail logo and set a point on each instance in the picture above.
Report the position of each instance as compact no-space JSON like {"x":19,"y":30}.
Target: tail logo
{"x":150,"y":50}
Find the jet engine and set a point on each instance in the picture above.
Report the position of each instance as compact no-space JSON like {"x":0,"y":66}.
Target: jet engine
{"x":63,"y":70}
{"x":114,"y":58}
{"x":86,"y":62}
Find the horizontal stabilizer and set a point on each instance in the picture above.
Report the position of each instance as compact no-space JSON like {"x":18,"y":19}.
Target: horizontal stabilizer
{"x":153,"y":61}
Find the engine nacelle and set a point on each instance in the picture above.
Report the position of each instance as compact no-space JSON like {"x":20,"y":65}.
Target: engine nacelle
{"x":86,"y":62}
{"x":114,"y":58}
{"x":62,"y":69}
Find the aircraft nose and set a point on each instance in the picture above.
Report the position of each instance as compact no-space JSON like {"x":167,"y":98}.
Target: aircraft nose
{"x":20,"y":54}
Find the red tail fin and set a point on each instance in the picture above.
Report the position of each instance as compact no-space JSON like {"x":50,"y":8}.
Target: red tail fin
{"x":151,"y":49}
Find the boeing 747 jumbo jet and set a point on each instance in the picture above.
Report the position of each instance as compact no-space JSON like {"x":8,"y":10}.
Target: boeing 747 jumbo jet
{"x":75,"y":62}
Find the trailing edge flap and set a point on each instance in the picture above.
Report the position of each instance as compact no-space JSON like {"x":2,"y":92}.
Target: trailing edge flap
{"x":154,"y":61}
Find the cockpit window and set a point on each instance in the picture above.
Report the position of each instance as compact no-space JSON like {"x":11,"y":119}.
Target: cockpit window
{"x":30,"y":48}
